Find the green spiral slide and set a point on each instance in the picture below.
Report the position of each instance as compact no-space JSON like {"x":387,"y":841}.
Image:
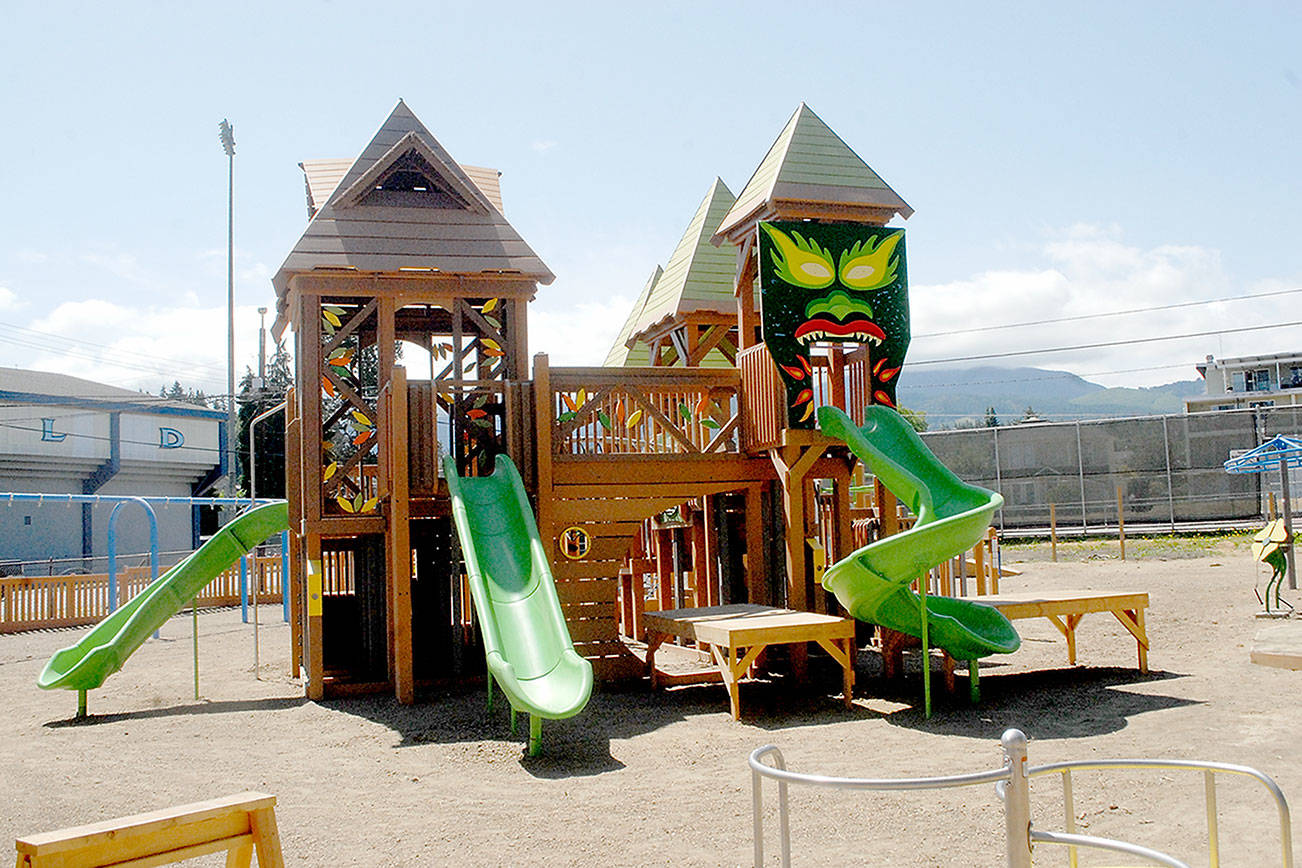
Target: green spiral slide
{"x":952,"y":516}
{"x":103,"y":650}
{"x":526,"y":642}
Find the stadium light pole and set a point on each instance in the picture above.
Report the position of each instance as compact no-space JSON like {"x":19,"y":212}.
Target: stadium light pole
{"x":227,"y":133}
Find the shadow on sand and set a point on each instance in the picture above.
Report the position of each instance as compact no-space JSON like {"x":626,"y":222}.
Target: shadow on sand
{"x":233,"y":706}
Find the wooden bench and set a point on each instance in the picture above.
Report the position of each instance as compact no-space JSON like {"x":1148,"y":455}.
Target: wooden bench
{"x":239,"y":824}
{"x":1064,"y":609}
{"x":729,"y":629}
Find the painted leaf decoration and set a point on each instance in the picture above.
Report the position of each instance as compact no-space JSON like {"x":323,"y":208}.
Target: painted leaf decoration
{"x":685,"y":412}
{"x":809,"y":411}
{"x":794,"y":372}
{"x":582,"y":397}
{"x":804,"y":363}
{"x":477,"y":413}
{"x":470,"y":366}
{"x":709,"y":423}
{"x":569,"y":402}
{"x":333,"y":308}
{"x":361,"y":438}
{"x":361,"y":418}
{"x":565,"y":417}
{"x":619,"y":411}
{"x":330,"y":317}
{"x":340,"y":362}
{"x":494,"y":322}
{"x":882,"y":398}
{"x":634,"y":417}
{"x":328,"y":387}
{"x":357,"y":502}
{"x":344,"y":503}
{"x":330,"y":471}
{"x":805,"y":395}
{"x":604,"y":420}
{"x":489,"y":305}
{"x":490,"y":343}
{"x":888,"y":373}
{"x":369,"y":505}
{"x":703,"y":406}
{"x":877,"y":368}
{"x":492,"y":353}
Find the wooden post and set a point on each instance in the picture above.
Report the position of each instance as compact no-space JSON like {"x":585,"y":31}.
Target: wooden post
{"x":756,"y":591}
{"x":1121,"y":524}
{"x":1053,"y":532}
{"x":542,"y":405}
{"x":710,"y":552}
{"x":312,"y":635}
{"x":1270,"y":506}
{"x":399,"y":540}
{"x":1287,"y":505}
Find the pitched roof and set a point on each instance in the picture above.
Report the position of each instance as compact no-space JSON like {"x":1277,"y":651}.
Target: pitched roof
{"x":447,"y":223}
{"x":322,"y":177}
{"x":698,"y":276}
{"x":808,"y":162}
{"x":638,"y":355}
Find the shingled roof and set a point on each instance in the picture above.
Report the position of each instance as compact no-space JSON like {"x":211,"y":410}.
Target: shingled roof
{"x":621,"y":354}
{"x":405,"y":205}
{"x":322,"y":177}
{"x":698,"y":276}
{"x":810,"y":163}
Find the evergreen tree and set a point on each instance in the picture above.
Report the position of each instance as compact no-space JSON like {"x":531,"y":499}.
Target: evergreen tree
{"x":992,"y":420}
{"x":252,"y":402}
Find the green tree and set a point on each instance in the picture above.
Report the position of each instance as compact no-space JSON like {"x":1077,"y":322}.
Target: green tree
{"x":252,"y":402}
{"x":992,"y":420}
{"x":177,"y":392}
{"x":916,"y":418}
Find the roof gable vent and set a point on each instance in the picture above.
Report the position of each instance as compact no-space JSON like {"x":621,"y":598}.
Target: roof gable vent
{"x":410,"y":181}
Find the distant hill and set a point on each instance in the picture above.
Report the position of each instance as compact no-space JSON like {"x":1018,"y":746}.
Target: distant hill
{"x":953,"y":396}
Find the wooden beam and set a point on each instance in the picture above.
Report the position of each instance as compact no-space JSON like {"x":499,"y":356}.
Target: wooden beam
{"x":398,"y":539}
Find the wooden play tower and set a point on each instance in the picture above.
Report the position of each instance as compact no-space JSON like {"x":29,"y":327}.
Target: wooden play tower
{"x":408,"y":263}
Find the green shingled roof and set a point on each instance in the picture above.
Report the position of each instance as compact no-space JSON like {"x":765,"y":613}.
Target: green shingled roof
{"x":620,"y":354}
{"x":698,"y":276}
{"x":809,"y":162}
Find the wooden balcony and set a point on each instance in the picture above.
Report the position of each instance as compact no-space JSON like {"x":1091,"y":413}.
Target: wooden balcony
{"x":837,"y":378}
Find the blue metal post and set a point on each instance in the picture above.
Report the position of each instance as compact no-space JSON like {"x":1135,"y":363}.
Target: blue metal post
{"x":284,"y":574}
{"x":113,"y":546}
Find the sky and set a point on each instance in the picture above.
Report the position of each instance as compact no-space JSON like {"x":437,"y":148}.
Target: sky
{"x":1063,"y":160}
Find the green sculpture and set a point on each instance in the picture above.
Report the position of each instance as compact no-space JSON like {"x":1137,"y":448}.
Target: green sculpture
{"x":1270,"y":546}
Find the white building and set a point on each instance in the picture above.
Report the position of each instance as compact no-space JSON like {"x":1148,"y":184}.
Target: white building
{"x":65,"y":435}
{"x":1249,"y":381}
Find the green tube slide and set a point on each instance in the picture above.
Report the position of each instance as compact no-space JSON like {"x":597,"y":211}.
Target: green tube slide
{"x":526,"y":641}
{"x":952,"y":517}
{"x":103,"y":650}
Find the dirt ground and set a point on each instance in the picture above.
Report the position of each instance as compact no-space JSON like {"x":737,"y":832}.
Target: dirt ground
{"x":642,"y":779}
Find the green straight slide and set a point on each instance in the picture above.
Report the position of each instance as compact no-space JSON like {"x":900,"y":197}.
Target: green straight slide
{"x":103,"y":650}
{"x":526,"y":641}
{"x":952,"y":516}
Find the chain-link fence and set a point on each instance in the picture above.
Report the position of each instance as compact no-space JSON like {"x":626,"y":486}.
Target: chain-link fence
{"x":1170,"y":468}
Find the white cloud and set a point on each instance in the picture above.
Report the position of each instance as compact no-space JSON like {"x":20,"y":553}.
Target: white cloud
{"x":542,"y":146}
{"x":137,"y":347}
{"x":1090,"y":270}
{"x":579,"y":334}
{"x":9,"y":300}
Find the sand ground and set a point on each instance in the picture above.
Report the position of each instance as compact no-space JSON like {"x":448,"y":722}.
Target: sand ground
{"x":642,"y":779}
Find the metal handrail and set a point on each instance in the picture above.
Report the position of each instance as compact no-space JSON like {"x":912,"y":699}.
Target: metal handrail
{"x":1012,"y":787}
{"x":1209,"y":770}
{"x":779,"y":773}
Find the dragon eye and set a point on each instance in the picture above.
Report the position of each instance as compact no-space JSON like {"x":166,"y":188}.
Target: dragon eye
{"x":868,"y":264}
{"x":800,"y":262}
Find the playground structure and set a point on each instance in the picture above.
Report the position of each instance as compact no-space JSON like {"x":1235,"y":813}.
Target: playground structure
{"x":407,"y":245}
{"x":1012,"y":787}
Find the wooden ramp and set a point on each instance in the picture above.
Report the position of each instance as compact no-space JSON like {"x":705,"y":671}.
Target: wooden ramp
{"x":606,"y":499}
{"x":1278,"y":645}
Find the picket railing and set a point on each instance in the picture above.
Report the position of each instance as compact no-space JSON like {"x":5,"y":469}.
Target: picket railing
{"x":42,"y":602}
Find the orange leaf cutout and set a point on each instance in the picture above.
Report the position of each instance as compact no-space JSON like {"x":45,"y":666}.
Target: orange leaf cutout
{"x":703,"y":406}
{"x":477,"y":413}
{"x":328,"y":386}
{"x":569,"y":402}
{"x":793,"y":372}
{"x":361,"y":438}
{"x":887,"y":374}
{"x":805,"y":395}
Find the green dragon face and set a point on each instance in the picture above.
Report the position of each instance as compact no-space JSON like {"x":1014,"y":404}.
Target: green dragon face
{"x":833,"y":283}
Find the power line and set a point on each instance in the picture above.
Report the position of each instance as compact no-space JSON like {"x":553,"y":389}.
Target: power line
{"x":1106,"y":344}
{"x":1181,"y":304}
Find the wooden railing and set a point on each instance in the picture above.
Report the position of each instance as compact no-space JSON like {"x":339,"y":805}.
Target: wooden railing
{"x":836,"y":378}
{"x":621,"y":411}
{"x":42,"y":602}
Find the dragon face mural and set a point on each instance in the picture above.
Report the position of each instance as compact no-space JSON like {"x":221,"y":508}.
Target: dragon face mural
{"x":832,"y":283}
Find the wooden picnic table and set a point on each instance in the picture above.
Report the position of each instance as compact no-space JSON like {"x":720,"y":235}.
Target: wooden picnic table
{"x":1065,"y":609}
{"x":737,"y":633}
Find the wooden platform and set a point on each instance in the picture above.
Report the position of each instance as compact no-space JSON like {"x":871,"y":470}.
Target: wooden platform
{"x":727,"y":630}
{"x":1065,"y":609}
{"x":1278,"y":645}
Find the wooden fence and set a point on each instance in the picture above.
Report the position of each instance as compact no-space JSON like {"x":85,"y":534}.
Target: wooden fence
{"x":40,"y":602}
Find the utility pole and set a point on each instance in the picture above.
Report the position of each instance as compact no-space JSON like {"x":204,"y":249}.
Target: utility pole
{"x":262,"y":348}
{"x":227,"y":133}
